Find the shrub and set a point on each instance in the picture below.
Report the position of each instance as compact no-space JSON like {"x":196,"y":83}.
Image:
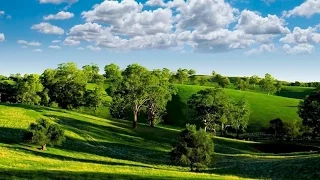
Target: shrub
{"x":43,"y":133}
{"x":195,"y":148}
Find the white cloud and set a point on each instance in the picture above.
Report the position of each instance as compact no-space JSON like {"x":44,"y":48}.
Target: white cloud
{"x":47,"y":28}
{"x":2,"y":13}
{"x":205,"y":15}
{"x":37,"y":50}
{"x":307,"y":9}
{"x":94,"y":48}
{"x":62,"y":15}
{"x":58,"y":1}
{"x":32,"y":43}
{"x":127,"y":18}
{"x":56,"y":41}
{"x":302,"y":36}
{"x":155,"y":3}
{"x":252,"y":23}
{"x":299,"y":49}
{"x":263,"y":48}
{"x":71,"y":42}
{"x":54,"y":47}
{"x":268,"y":2}
{"x":2,"y":37}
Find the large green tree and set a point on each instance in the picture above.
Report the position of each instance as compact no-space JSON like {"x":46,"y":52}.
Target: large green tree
{"x":182,"y":75}
{"x":195,"y":148}
{"x":91,"y":72}
{"x":240,"y":116}
{"x":134,"y":89}
{"x":254,"y":80}
{"x":211,"y":106}
{"x":161,"y":91}
{"x":222,"y":80}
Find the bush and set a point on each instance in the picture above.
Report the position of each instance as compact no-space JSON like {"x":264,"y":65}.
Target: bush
{"x":195,"y":148}
{"x":43,"y":133}
{"x":54,"y":105}
{"x":292,"y":129}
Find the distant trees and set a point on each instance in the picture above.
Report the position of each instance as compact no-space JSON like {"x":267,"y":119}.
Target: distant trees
{"x":254,"y":80}
{"x":182,"y":75}
{"x":43,"y":133}
{"x":267,"y":84}
{"x":221,"y":80}
{"x":276,"y":126}
{"x":241,"y":84}
{"x":92,"y":73}
{"x":195,"y":148}
{"x":309,"y":111}
{"x":278,"y":86}
{"x":213,"y":107}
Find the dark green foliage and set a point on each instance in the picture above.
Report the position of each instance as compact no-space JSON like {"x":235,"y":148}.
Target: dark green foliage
{"x":241,"y":84}
{"x":221,"y":80}
{"x":309,"y":111}
{"x":94,"y":98}
{"x":267,"y":84}
{"x":276,"y":126}
{"x":119,"y":108}
{"x":43,"y":133}
{"x":292,"y":129}
{"x":195,"y":148}
{"x":8,"y":92}
{"x":29,"y":89}
{"x":92,"y":73}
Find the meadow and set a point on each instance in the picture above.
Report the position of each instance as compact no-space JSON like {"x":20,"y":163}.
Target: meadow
{"x":98,"y":148}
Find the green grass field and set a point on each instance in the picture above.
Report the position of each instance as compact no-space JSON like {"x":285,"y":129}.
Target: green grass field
{"x":264,"y":107}
{"x":98,"y":148}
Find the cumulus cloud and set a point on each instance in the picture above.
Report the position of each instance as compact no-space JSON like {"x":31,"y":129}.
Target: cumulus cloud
{"x":37,"y":50}
{"x":252,"y":23}
{"x":58,"y":1}
{"x":302,"y":36}
{"x":31,"y":43}
{"x":204,"y":15}
{"x":155,"y":3}
{"x":2,"y":37}
{"x":128,"y":18}
{"x":54,"y":47}
{"x":47,"y":28}
{"x":71,"y":42}
{"x":299,"y":49}
{"x":62,"y":15}
{"x":306,"y":9}
{"x":263,"y":48}
{"x":2,"y":13}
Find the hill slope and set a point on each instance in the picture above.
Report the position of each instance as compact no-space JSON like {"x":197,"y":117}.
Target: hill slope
{"x":103,"y":149}
{"x":264,"y":107}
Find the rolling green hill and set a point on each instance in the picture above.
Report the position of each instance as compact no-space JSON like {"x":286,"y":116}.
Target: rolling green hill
{"x":296,"y":92}
{"x":264,"y":107}
{"x":109,"y":149}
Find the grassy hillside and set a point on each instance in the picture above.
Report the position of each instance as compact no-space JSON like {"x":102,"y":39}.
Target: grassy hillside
{"x":264,"y":107}
{"x":103,"y":149}
{"x":296,"y":92}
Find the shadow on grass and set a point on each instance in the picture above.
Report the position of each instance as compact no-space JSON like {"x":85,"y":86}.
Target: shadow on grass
{"x":119,"y":141}
{"x":70,"y":175}
{"x":40,"y":109}
{"x":46,"y":154}
{"x":296,"y":95}
{"x":11,"y":135}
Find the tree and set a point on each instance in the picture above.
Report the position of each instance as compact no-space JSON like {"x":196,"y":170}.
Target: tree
{"x":91,"y":72}
{"x":113,"y":75}
{"x":66,"y":85}
{"x":194,"y":79}
{"x":134,"y":89}
{"x":43,"y":133}
{"x":240,"y":84}
{"x":213,"y":74}
{"x":292,"y":129}
{"x":279,"y":86}
{"x":160,"y":94}
{"x":182,"y":75}
{"x":277,"y":126}
{"x":202,"y":81}
{"x":222,"y":81}
{"x":318,"y":88}
{"x":267,"y":84}
{"x":45,"y":98}
{"x":195,"y":148}
{"x":29,"y":89}
{"x":210,"y":106}
{"x":254,"y":80}
{"x":94,"y":98}
{"x":240,"y":116}
{"x":191,"y":72}
{"x":309,"y":111}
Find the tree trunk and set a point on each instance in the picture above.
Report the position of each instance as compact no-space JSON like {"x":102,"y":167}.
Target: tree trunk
{"x":151,"y":123}
{"x":135,"y":120}
{"x":222,"y":129}
{"x":238,"y":134}
{"x":44,"y":147}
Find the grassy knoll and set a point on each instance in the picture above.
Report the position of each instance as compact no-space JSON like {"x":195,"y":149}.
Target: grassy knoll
{"x":264,"y":107}
{"x":97,"y":148}
{"x":296,"y":92}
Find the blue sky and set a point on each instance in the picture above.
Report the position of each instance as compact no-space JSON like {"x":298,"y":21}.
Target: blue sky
{"x":232,"y":37}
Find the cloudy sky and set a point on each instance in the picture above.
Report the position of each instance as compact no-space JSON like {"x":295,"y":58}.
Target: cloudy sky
{"x":232,"y":37}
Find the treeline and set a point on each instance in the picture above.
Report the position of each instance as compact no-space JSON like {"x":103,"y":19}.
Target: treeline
{"x":63,"y":87}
